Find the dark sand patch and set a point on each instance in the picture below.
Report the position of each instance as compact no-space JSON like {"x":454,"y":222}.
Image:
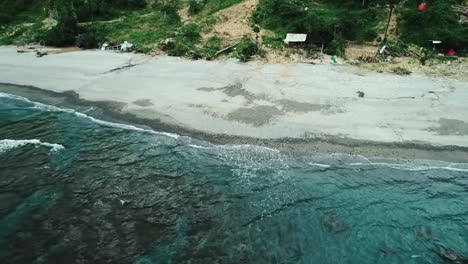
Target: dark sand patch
{"x":256,"y":116}
{"x":301,"y":107}
{"x":235,"y":90}
{"x":451,"y":127}
{"x":143,"y":102}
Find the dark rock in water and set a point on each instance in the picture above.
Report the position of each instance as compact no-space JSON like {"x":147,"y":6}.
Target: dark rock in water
{"x":449,"y":255}
{"x":333,"y":225}
{"x":387,"y":250}
{"x":424,"y":232}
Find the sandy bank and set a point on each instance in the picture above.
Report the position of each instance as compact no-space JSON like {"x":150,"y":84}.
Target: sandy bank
{"x":253,"y":100}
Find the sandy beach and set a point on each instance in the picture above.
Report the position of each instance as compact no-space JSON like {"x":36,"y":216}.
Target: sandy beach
{"x":297,"y":103}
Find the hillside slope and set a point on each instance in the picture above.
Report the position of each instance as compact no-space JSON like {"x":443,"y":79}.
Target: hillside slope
{"x":242,"y":29}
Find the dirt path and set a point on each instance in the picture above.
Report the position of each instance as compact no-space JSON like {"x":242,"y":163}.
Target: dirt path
{"x":234,"y":22}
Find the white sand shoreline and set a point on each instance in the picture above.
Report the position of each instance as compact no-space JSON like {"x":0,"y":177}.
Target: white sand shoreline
{"x":256,"y":100}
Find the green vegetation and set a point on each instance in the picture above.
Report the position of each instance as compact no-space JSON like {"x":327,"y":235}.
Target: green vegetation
{"x":439,"y":22}
{"x":322,"y":21}
{"x":333,"y":22}
{"x":246,"y":50}
{"x":195,"y":7}
{"x":215,"y":5}
{"x":156,"y":24}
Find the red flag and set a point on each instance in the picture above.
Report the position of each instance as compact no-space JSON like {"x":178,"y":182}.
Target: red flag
{"x":451,"y":52}
{"x":422,"y":7}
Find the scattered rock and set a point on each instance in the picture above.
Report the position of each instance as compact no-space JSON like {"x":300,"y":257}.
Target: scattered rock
{"x":401,"y":71}
{"x":333,"y":225}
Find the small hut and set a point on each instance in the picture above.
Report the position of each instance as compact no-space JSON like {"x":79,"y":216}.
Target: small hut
{"x":295,"y":39}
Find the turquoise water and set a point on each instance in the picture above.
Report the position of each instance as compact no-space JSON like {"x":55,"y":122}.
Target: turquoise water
{"x":74,"y":189}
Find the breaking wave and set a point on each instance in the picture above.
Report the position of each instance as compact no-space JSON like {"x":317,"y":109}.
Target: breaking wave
{"x":8,"y":144}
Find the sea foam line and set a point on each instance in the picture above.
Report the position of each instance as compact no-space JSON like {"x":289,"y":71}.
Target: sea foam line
{"x":362,"y":161}
{"x":367,"y":162}
{"x":51,"y":108}
{"x":7,"y":144}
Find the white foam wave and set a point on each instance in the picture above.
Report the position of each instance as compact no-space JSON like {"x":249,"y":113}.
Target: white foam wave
{"x":234,"y":147}
{"x":7,"y":144}
{"x":338,"y":159}
{"x":417,"y":167}
{"x":51,"y":108}
{"x":344,"y":160}
{"x":320,"y":165}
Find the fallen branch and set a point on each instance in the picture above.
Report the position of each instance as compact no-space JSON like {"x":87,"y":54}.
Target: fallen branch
{"x":227,"y":48}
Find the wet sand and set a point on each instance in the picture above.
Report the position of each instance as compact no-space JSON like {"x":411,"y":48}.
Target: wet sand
{"x":291,"y":107}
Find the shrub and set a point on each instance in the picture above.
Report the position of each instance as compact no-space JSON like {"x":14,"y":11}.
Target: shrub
{"x":90,"y":9}
{"x":439,"y":22}
{"x":5,"y":18}
{"x":168,"y":10}
{"x":178,"y":49}
{"x":190,"y":33}
{"x":90,"y":38}
{"x":337,"y":47}
{"x":246,"y":50}
{"x":64,"y":33}
{"x":321,"y":21}
{"x":195,"y":7}
{"x":212,"y":46}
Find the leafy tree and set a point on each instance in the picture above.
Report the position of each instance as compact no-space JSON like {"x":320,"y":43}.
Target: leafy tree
{"x":195,"y":7}
{"x":63,"y":34}
{"x":439,"y":22}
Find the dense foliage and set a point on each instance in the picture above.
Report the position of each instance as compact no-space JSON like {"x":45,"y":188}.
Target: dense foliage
{"x":147,"y":22}
{"x":321,"y":21}
{"x":439,"y":22}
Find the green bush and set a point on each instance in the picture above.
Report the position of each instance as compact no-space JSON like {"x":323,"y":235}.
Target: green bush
{"x":439,"y":22}
{"x":90,"y":10}
{"x":168,"y":10}
{"x":178,"y":49}
{"x":246,"y":50}
{"x":337,"y":47}
{"x":64,"y":33}
{"x":190,"y":34}
{"x":195,"y":7}
{"x":5,"y":19}
{"x":186,"y":39}
{"x":211,"y":47}
{"x":90,"y":38}
{"x":216,"y":5}
{"x":320,"y":20}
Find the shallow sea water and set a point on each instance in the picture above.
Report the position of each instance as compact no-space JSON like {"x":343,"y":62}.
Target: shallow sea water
{"x":75,"y":189}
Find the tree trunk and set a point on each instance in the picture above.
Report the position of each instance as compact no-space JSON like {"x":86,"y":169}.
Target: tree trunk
{"x":390,"y":13}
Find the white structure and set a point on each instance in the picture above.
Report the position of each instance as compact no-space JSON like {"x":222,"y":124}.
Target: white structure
{"x":435,"y":43}
{"x":126,"y":46}
{"x":295,"y":38}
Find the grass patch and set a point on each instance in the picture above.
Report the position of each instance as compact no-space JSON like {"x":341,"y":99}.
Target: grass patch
{"x":214,"y":6}
{"x":274,"y":42}
{"x":246,"y":50}
{"x":211,"y":47}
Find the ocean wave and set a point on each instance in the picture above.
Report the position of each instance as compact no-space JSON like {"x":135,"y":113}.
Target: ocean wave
{"x":243,"y":152}
{"x":200,"y":145}
{"x":319,"y":165}
{"x":7,"y":144}
{"x":51,"y":108}
{"x":461,"y":167}
{"x":398,"y":164}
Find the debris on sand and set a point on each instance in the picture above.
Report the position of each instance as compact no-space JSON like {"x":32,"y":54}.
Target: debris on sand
{"x":401,"y":71}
